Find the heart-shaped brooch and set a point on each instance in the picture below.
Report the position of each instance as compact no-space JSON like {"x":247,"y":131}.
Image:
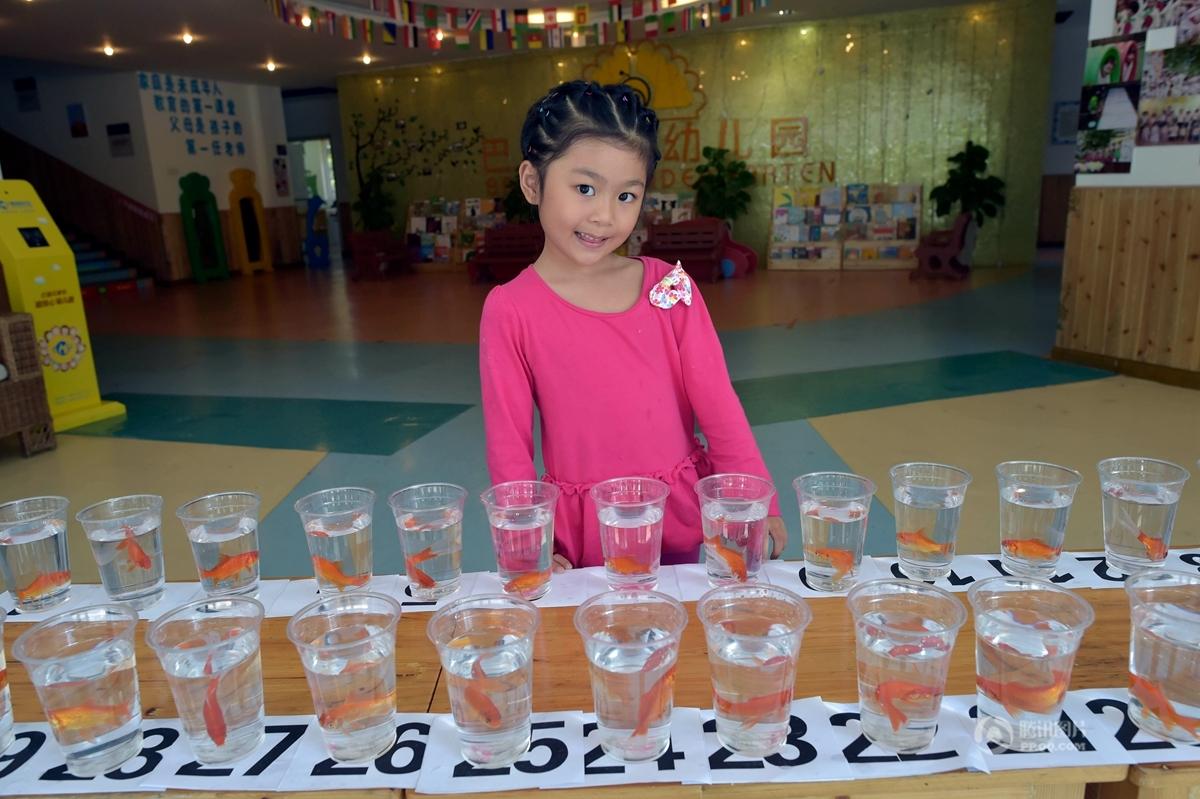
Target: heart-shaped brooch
{"x":671,"y":289}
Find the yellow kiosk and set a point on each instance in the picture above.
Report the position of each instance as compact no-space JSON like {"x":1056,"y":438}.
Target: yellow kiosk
{"x":39,"y":273}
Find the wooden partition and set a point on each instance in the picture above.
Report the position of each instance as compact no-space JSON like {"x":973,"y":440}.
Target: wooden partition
{"x":1131,"y":282}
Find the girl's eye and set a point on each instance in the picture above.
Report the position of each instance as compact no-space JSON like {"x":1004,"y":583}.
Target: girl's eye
{"x":586,"y":190}
{"x":627,"y":197}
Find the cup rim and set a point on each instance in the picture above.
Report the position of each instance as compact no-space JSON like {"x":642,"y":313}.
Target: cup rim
{"x":767,"y":497}
{"x":295,"y":619}
{"x":183,"y":515}
{"x":1131,"y":581}
{"x":1186,"y":475}
{"x":370,"y":502}
{"x":1042,"y":585}
{"x":1017,"y":479}
{"x":155,"y":507}
{"x":555,"y":492}
{"x":162,"y":620}
{"x":62,"y":503}
{"x":912,"y":586}
{"x":393,"y":498}
{"x":968,"y":478}
{"x":450,"y":607}
{"x":651,"y":481}
{"x":871,"y":488}
{"x":672,"y":637}
{"x":805,"y":610}
{"x":127,"y":624}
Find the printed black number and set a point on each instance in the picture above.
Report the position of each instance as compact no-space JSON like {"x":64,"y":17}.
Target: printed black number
{"x":150,"y":755}
{"x":556,"y":748}
{"x":1101,"y":568}
{"x":853,"y":752}
{"x":719,"y":760}
{"x":34,"y":740}
{"x":1058,"y":578}
{"x":386,"y":764}
{"x":1127,"y":729}
{"x":292,"y":733}
{"x":805,"y":752}
{"x":595,"y":753}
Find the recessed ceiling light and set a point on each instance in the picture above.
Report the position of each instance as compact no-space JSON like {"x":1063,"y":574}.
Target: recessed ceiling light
{"x":270,"y":66}
{"x":108,"y":49}
{"x":366,"y":59}
{"x":306,"y":21}
{"x":187,"y":37}
{"x":439,"y":36}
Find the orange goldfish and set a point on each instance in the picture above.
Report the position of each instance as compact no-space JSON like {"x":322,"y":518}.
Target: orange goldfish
{"x":43,"y":584}
{"x":733,"y":559}
{"x":655,"y":701}
{"x":842,"y":560}
{"x":1030,"y":548}
{"x":889,"y":692}
{"x":478,"y":699}
{"x":214,"y":718}
{"x":1155,"y":702}
{"x":331,"y":572}
{"x":87,"y":716}
{"x":417,"y":574}
{"x":138,"y":559}
{"x":919,"y":542}
{"x":1029,"y":619}
{"x":527,"y":583}
{"x":356,"y":709}
{"x":627,"y":564}
{"x":756,"y":708}
{"x":230,"y":565}
{"x":1016,"y":696}
{"x":1156,"y":548}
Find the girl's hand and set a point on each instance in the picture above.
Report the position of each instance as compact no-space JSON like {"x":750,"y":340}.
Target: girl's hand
{"x":560,"y":564}
{"x":778,"y":534}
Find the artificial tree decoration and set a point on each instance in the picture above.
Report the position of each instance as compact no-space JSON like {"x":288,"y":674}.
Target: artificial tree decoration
{"x":516,"y":207}
{"x":969,"y":186}
{"x":391,"y":148}
{"x":721,"y":185}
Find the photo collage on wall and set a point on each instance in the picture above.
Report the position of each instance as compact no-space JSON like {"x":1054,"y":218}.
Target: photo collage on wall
{"x":1134,"y":98}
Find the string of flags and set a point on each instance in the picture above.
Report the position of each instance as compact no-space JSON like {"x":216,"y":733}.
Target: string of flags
{"x":413,"y":25}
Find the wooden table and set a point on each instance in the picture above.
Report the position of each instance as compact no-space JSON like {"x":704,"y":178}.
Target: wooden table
{"x":826,"y":668}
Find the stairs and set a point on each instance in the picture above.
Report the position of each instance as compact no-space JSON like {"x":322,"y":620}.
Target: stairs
{"x":104,"y":273}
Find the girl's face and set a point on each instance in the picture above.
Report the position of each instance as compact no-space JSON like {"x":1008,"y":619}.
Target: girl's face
{"x":589,"y":200}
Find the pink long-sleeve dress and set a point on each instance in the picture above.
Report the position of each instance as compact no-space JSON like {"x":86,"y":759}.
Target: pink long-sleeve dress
{"x":619,"y":395}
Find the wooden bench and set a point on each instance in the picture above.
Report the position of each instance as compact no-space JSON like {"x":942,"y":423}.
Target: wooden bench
{"x":378,"y":253}
{"x":701,"y":245}
{"x":506,"y":251}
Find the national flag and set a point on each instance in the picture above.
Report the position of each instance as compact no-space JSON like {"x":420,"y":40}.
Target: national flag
{"x":726,"y":10}
{"x":347,"y":28}
{"x":639,"y":9}
{"x":551,"y":18}
{"x":368,"y":30}
{"x":432,"y":39}
{"x":473,"y":18}
{"x":430,"y":14}
{"x":387,"y":33}
{"x":652,"y":26}
{"x":581,"y":15}
{"x":534,"y":40}
{"x":670,"y":22}
{"x":614,"y":10}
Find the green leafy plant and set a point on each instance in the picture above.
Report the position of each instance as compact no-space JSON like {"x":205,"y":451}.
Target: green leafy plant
{"x":721,"y":188}
{"x":516,"y":207}
{"x":969,"y":186}
{"x":391,"y":148}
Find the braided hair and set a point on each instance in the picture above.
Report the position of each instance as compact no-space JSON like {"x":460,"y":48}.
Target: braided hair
{"x":582,"y":109}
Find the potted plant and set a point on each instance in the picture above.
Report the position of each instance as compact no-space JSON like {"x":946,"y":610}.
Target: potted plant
{"x":721,"y":186}
{"x":977,"y":194}
{"x":516,"y":208}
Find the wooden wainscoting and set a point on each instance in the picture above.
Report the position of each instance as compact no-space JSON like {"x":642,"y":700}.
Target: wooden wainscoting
{"x":1131,"y":282}
{"x":284,"y":232}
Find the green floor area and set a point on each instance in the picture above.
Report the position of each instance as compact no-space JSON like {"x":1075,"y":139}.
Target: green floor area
{"x":784,"y":398}
{"x":351,"y":426}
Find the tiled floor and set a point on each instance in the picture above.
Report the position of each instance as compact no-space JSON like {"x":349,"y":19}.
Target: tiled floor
{"x":290,"y":382}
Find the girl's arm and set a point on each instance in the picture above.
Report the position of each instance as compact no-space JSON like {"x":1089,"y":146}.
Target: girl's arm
{"x":507,"y":383}
{"x":731,"y":444}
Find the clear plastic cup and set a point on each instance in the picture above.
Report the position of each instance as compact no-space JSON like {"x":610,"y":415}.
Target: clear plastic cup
{"x":486,"y":647}
{"x":1164,"y":654}
{"x":429,"y":522}
{"x":904,"y":633}
{"x":833,"y":524}
{"x":521,"y":515}
{"x":928,"y":501}
{"x":733,"y":513}
{"x":337,"y":527}
{"x":1139,"y":497}
{"x":1035,"y":501}
{"x":83,"y":667}
{"x":630,"y":515}
{"x":223,"y":532}
{"x":33,"y":551}
{"x":6,"y":711}
{"x":125,"y":534}
{"x":347,"y":643}
{"x":631,"y":638}
{"x":209,"y":651}
{"x":1027,"y":632}
{"x":753,"y":634}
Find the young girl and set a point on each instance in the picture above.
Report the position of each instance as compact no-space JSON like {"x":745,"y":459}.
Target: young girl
{"x":618,"y":354}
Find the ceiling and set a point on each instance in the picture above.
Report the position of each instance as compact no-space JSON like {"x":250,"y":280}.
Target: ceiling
{"x":235,"y":38}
